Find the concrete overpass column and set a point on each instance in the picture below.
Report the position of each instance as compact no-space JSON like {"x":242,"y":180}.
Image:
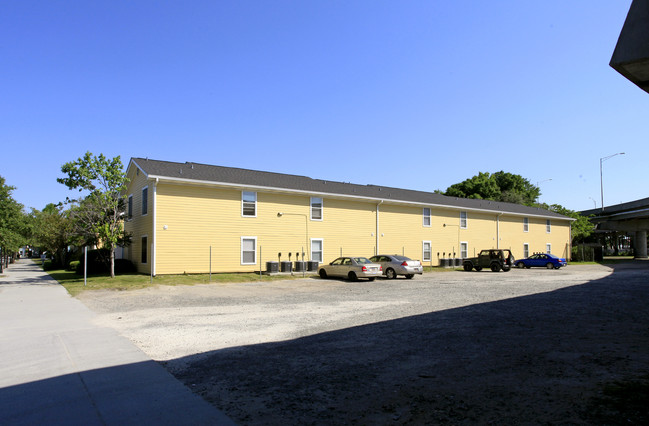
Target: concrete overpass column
{"x":640,"y":244}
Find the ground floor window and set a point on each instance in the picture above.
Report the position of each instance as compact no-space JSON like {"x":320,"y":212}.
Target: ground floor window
{"x":316,"y":249}
{"x":548,"y":248}
{"x":426,"y":252}
{"x":464,"y":250}
{"x":526,"y":250}
{"x":144,"y":249}
{"x":248,"y":250}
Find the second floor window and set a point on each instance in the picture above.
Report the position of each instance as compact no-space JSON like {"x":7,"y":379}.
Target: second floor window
{"x":129,"y":213}
{"x":526,"y":225}
{"x":316,"y":208}
{"x":463,"y":220}
{"x":426,"y":216}
{"x":248,"y":203}
{"x":145,"y":200}
{"x":548,"y":226}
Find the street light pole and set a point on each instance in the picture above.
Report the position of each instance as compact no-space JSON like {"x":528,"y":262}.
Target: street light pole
{"x":601,"y":176}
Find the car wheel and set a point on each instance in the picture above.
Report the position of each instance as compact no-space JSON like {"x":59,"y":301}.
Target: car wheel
{"x":495,"y":267}
{"x":520,"y":265}
{"x":352,"y":276}
{"x":323,"y":274}
{"x":372,"y":278}
{"x":409,"y":276}
{"x":507,"y":268}
{"x":390,"y":274}
{"x":467,"y":267}
{"x":549,"y":265}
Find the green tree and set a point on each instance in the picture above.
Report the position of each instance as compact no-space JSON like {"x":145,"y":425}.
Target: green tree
{"x":52,"y":231}
{"x":99,"y":214}
{"x":499,"y":186}
{"x":12,"y":222}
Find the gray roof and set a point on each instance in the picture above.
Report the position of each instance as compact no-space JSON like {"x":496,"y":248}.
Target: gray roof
{"x":278,"y":181}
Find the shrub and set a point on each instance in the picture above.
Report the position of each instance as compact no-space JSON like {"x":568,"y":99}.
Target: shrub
{"x":73,"y":265}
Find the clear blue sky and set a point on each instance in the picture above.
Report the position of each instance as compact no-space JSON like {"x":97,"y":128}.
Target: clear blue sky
{"x":411,"y":94}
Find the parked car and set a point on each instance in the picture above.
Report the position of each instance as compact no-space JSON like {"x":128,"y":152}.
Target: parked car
{"x":352,"y":268}
{"x":394,"y":265}
{"x":494,"y":259}
{"x":547,"y":260}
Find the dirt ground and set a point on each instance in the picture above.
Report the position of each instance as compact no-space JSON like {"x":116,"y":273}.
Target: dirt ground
{"x":536,"y":346}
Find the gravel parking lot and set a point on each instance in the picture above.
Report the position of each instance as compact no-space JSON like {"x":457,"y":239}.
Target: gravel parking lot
{"x":528,"y":346}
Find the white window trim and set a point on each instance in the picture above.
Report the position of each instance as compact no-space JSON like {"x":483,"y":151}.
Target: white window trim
{"x":242,"y":202}
{"x":548,"y":248}
{"x":321,"y":209}
{"x":145,"y":199}
{"x":321,"y":248}
{"x":465,"y":255}
{"x":255,"y":251}
{"x":423,"y":251}
{"x":526,"y":224}
{"x":466,"y":220}
{"x":146,"y":262}
{"x":428,"y":216}
{"x":548,"y":226}
{"x":526,"y":250}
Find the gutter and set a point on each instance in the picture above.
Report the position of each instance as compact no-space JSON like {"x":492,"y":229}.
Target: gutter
{"x":377,"y":227}
{"x":154,"y":220}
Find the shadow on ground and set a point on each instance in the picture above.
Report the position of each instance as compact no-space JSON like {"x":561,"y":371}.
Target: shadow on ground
{"x":570,"y":356}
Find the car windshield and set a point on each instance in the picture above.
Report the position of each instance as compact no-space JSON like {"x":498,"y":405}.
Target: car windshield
{"x":402,"y":258}
{"x":361,"y":260}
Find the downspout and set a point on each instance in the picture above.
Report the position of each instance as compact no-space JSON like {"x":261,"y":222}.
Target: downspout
{"x":498,"y":230}
{"x":377,"y":227}
{"x":155,"y":239}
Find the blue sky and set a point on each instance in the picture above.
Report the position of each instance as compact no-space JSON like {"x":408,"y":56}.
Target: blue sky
{"x":411,"y":94}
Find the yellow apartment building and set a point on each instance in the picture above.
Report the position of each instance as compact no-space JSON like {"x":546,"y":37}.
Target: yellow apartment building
{"x":197,"y":218}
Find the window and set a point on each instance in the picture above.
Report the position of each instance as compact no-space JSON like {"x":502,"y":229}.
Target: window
{"x":248,"y":204}
{"x":145,"y":200}
{"x":463,"y":220}
{"x":316,"y":250}
{"x":464,"y":250}
{"x":316,"y":208}
{"x":145,"y":245}
{"x":129,"y":210}
{"x":526,"y":225}
{"x":426,"y":252}
{"x":548,"y":248}
{"x":548,"y":227}
{"x":248,"y":250}
{"x":426,"y":216}
{"x":526,"y":250}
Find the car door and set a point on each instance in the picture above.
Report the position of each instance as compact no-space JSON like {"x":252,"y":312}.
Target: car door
{"x":335,"y":267}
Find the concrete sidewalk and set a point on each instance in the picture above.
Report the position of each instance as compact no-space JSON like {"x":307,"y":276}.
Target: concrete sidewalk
{"x":57,"y":367}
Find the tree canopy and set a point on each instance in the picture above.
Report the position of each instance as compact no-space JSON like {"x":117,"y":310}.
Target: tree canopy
{"x":12,"y":219}
{"x":511,"y":188}
{"x":98,"y":216}
{"x":499,"y":186}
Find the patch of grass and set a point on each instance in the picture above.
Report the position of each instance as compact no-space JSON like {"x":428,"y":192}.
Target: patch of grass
{"x":75,"y":284}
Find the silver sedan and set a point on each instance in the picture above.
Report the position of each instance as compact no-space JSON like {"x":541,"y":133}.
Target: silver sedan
{"x":394,"y":265}
{"x":352,"y":268}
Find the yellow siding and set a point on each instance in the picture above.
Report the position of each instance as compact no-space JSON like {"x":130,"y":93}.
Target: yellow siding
{"x":139,"y":225}
{"x":199,"y":217}
{"x":192,"y":218}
